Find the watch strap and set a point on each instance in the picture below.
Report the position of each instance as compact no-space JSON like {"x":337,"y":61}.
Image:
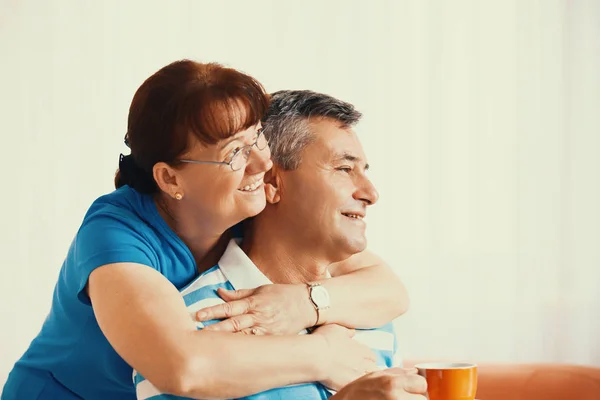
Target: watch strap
{"x":310,"y":287}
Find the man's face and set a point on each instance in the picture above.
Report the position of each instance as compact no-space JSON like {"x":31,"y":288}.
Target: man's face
{"x":325,"y":199}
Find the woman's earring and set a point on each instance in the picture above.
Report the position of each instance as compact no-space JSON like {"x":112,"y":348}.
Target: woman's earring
{"x":178,"y":196}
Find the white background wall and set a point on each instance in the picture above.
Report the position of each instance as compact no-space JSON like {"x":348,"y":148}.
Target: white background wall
{"x":481,"y":120}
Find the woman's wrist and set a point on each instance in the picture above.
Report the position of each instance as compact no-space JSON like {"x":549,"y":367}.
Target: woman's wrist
{"x":307,"y":311}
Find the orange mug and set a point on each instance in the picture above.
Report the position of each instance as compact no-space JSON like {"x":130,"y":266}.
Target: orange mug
{"x":449,"y":381}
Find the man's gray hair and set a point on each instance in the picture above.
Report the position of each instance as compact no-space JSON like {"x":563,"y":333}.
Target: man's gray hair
{"x":286,"y":125}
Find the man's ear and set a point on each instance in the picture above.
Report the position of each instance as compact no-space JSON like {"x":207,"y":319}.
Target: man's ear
{"x":272,"y":181}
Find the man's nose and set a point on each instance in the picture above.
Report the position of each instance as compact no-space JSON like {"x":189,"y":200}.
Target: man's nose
{"x":367,"y":192}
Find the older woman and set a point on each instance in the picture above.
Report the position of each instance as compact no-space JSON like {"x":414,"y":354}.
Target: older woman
{"x":196,"y":169}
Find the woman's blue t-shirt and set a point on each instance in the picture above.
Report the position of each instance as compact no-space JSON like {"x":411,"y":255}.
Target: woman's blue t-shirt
{"x":70,"y":355}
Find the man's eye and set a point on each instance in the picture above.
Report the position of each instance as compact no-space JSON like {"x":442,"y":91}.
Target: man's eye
{"x":345,"y":169}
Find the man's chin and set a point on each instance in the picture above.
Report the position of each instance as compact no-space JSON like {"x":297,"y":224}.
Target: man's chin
{"x":354,"y":245}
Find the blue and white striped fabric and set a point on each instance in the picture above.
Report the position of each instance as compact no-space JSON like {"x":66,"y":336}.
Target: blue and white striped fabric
{"x":236,"y":271}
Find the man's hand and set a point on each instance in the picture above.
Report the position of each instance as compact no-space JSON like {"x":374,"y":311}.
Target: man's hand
{"x":267,"y":310}
{"x":388,"y":384}
{"x":348,"y":359}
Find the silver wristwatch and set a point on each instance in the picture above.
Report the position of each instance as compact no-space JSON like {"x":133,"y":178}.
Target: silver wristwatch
{"x":319,"y":297}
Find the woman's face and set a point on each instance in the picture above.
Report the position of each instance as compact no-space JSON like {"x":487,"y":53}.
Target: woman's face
{"x":217,"y":195}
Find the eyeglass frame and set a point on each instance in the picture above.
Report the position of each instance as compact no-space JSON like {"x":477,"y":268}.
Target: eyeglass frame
{"x":245,"y":150}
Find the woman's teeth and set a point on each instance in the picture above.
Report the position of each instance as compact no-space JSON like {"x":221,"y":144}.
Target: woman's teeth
{"x":252,"y":187}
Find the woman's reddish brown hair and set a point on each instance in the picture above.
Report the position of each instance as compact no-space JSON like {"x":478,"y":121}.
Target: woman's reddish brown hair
{"x":184,"y":100}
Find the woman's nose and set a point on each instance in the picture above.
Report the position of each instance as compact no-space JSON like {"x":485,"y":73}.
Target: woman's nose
{"x":259,"y":160}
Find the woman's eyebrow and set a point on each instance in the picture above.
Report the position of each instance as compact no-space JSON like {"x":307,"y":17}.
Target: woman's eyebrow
{"x":237,"y":136}
{"x":231,"y":140}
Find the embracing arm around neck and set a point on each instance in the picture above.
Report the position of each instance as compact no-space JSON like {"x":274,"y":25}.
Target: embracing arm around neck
{"x":365,"y":292}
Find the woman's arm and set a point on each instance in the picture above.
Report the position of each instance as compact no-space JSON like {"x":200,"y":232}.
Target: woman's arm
{"x":364,"y":292}
{"x":145,"y":319}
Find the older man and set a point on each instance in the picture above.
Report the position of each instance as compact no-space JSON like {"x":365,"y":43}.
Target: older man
{"x":318,"y":193}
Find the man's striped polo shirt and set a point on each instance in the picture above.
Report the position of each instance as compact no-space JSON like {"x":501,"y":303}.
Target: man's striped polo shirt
{"x":235,"y":270}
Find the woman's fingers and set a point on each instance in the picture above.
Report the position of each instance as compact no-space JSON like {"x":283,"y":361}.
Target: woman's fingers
{"x":233,"y":324}
{"x":225,"y":310}
{"x":229,"y":295}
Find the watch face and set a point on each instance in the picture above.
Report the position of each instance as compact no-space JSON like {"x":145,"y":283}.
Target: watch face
{"x":320,"y":296}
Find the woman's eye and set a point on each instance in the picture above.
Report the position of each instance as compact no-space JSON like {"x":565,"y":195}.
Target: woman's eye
{"x":233,"y":153}
{"x":258,"y":133}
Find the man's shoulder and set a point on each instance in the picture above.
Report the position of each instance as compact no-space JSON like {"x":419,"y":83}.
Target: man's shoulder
{"x":211,"y":277}
{"x":202,"y":291}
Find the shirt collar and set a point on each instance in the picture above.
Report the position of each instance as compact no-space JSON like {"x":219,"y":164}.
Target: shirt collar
{"x":239,"y":269}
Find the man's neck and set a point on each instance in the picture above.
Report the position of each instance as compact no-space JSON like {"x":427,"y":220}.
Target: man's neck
{"x":277,"y":254}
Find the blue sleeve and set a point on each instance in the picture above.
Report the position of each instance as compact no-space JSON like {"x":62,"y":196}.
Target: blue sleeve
{"x":107,"y":238}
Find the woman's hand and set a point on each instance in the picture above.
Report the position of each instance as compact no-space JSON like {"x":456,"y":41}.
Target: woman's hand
{"x":267,"y":310}
{"x":389,"y":384}
{"x":348,"y":359}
